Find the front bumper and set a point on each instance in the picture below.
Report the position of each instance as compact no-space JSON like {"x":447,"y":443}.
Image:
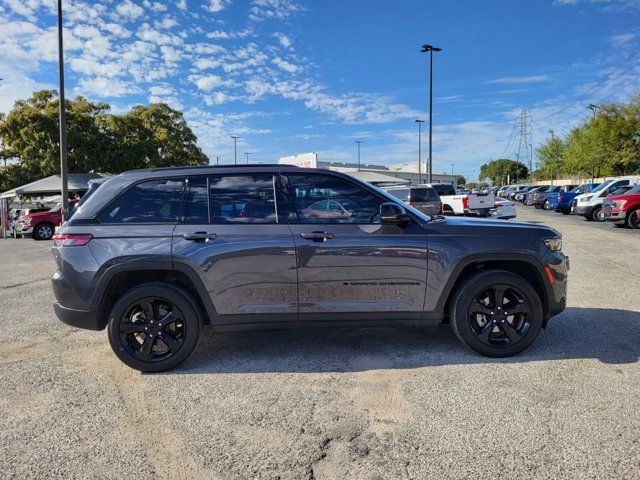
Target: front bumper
{"x":618,"y":216}
{"x":583,"y":210}
{"x":558,"y":265}
{"x":24,"y":230}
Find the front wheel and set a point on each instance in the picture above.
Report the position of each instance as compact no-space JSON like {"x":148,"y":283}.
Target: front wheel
{"x":496,"y":313}
{"x":154,"y":327}
{"x":596,"y":214}
{"x":633,"y":220}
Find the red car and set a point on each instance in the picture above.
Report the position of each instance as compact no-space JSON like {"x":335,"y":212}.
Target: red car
{"x":41,"y":225}
{"x":326,"y":209}
{"x":623,"y":209}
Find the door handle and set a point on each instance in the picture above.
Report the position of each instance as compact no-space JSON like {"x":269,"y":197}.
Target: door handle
{"x":199,"y":236}
{"x":317,"y":236}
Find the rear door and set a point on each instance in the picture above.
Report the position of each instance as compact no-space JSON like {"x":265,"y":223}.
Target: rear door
{"x":350,"y":265}
{"x":231,"y":236}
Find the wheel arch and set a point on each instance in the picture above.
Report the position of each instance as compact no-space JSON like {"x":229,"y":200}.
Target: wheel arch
{"x":122,"y":277}
{"x":524,"y":265}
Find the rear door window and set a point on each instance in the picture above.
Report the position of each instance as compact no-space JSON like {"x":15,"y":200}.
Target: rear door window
{"x":242,"y":199}
{"x":419,"y":195}
{"x":401,"y":193}
{"x":196,"y":201}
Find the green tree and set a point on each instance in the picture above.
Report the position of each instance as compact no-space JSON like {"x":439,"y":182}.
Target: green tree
{"x":147,"y":136}
{"x":551,"y":158}
{"x":461,"y":180}
{"x":499,"y":170}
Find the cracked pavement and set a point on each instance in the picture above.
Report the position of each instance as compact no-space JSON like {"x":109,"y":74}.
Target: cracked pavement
{"x":327,"y":404}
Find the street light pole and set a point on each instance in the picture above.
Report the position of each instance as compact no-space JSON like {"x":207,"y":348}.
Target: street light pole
{"x":594,"y":110}
{"x":63,"y":122}
{"x":247,"y":155}
{"x":358,"y":142}
{"x":419,"y":122}
{"x":430,"y":49}
{"x":235,"y":149}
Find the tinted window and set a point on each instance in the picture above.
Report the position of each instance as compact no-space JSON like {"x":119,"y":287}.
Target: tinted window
{"x":401,"y":193}
{"x":424,"y":195}
{"x":444,"y":189}
{"x":153,"y":201}
{"x":197,"y":203}
{"x":635,"y":189}
{"x":242,"y":199}
{"x":325,"y":199}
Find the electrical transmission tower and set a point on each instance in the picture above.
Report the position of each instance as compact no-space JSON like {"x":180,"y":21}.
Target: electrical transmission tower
{"x":524,"y":152}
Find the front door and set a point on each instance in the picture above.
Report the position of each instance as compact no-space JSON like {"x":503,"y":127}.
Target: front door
{"x":231,"y":236}
{"x":349,"y":264}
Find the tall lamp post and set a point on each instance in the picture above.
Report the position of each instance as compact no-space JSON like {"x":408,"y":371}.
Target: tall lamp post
{"x":419,"y":122}
{"x":235,"y":148}
{"x":63,"y":122}
{"x":358,"y":142}
{"x":247,"y":155}
{"x":430,"y":49}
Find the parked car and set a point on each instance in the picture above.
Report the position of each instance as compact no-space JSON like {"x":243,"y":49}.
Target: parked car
{"x":589,"y":205}
{"x":155,"y":254}
{"x":41,"y":225}
{"x":463,"y":204}
{"x":520,"y":196}
{"x":623,"y":209}
{"x":502,"y":190}
{"x":528,"y":197}
{"x":561,"y":190}
{"x":561,"y":201}
{"x":511,"y":194}
{"x":538,"y":198}
{"x":420,"y":197}
{"x":504,"y":210}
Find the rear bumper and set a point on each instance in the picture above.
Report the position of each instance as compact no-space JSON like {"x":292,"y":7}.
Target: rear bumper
{"x":87,"y":319}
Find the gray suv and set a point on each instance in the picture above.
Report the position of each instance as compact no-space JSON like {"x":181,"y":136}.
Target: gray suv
{"x":153,"y":255}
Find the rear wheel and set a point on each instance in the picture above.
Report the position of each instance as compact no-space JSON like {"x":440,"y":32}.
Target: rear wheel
{"x":633,"y":220}
{"x":43,"y":231}
{"x":154,"y":327}
{"x":565,"y":211}
{"x":496,"y":313}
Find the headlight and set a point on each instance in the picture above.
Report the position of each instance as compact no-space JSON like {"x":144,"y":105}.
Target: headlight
{"x":620,"y":204}
{"x":27,"y":220}
{"x":554,"y":244}
{"x":586,"y":199}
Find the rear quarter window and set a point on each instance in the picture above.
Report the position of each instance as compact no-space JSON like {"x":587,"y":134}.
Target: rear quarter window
{"x":424,"y":195}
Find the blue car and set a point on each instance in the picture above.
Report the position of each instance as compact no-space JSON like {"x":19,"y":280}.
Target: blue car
{"x":561,"y":201}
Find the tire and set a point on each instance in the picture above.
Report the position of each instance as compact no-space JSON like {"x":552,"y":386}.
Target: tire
{"x":633,"y":219}
{"x":565,"y":211}
{"x":514,"y":332}
{"x":148,"y":345}
{"x":595,"y":214}
{"x":43,"y":231}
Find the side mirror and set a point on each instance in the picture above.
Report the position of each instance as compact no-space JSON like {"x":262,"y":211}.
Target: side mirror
{"x":392,"y":213}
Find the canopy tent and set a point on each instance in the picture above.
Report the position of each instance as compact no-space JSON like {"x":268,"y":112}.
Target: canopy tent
{"x":53,"y":184}
{"x":377,"y":178}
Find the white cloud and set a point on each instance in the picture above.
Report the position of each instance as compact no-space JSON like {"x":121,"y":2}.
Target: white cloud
{"x":206,"y":63}
{"x":279,"y":9}
{"x":129,"y":10}
{"x":104,"y":87}
{"x":170,"y":54}
{"x":218,"y":98}
{"x":214,"y":6}
{"x":167,"y":23}
{"x":284,"y":65}
{"x":520,"y":80}
{"x":148,"y":34}
{"x":206,"y":83}
{"x":623,"y":39}
{"x":225,"y":35}
{"x":284,"y":40}
{"x":181,"y":4}
{"x":117,"y":30}
{"x":158,"y":90}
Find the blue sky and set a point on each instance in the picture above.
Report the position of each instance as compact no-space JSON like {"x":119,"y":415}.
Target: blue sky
{"x":291,"y":76}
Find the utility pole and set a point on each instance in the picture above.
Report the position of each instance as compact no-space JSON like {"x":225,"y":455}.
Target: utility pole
{"x":524,"y":143}
{"x":419,"y":122}
{"x":358,"y":142}
{"x":247,"y":154}
{"x":63,"y":122}
{"x":217,"y":160}
{"x":430,"y":49}
{"x":235,"y":148}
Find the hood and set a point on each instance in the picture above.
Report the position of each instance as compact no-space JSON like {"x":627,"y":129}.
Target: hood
{"x":37,"y":214}
{"x":507,"y":225}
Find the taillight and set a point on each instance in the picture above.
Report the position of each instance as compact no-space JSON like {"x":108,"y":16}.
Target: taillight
{"x":71,"y":239}
{"x":535,"y":195}
{"x":441,"y":209}
{"x":465,"y":203}
{"x":560,"y":198}
{"x":410,"y":204}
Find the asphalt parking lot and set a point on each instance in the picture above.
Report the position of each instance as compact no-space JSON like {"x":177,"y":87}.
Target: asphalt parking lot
{"x":374,"y":403}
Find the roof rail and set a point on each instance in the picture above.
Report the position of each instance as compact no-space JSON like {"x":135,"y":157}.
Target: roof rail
{"x":244,"y":165}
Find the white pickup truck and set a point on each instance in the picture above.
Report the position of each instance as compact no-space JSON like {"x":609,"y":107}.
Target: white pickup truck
{"x":479,"y":205}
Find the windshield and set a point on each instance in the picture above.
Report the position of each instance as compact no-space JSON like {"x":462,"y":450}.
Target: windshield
{"x":602,"y":186}
{"x":635,"y":189}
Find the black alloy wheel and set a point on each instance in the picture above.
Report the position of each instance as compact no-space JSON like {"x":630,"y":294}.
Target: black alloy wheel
{"x":500,"y":316}
{"x":496,"y":313}
{"x":43,"y":231}
{"x":152,"y":330}
{"x":154,"y":326}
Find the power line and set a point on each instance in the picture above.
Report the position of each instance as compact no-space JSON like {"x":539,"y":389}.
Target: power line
{"x":511,"y":137}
